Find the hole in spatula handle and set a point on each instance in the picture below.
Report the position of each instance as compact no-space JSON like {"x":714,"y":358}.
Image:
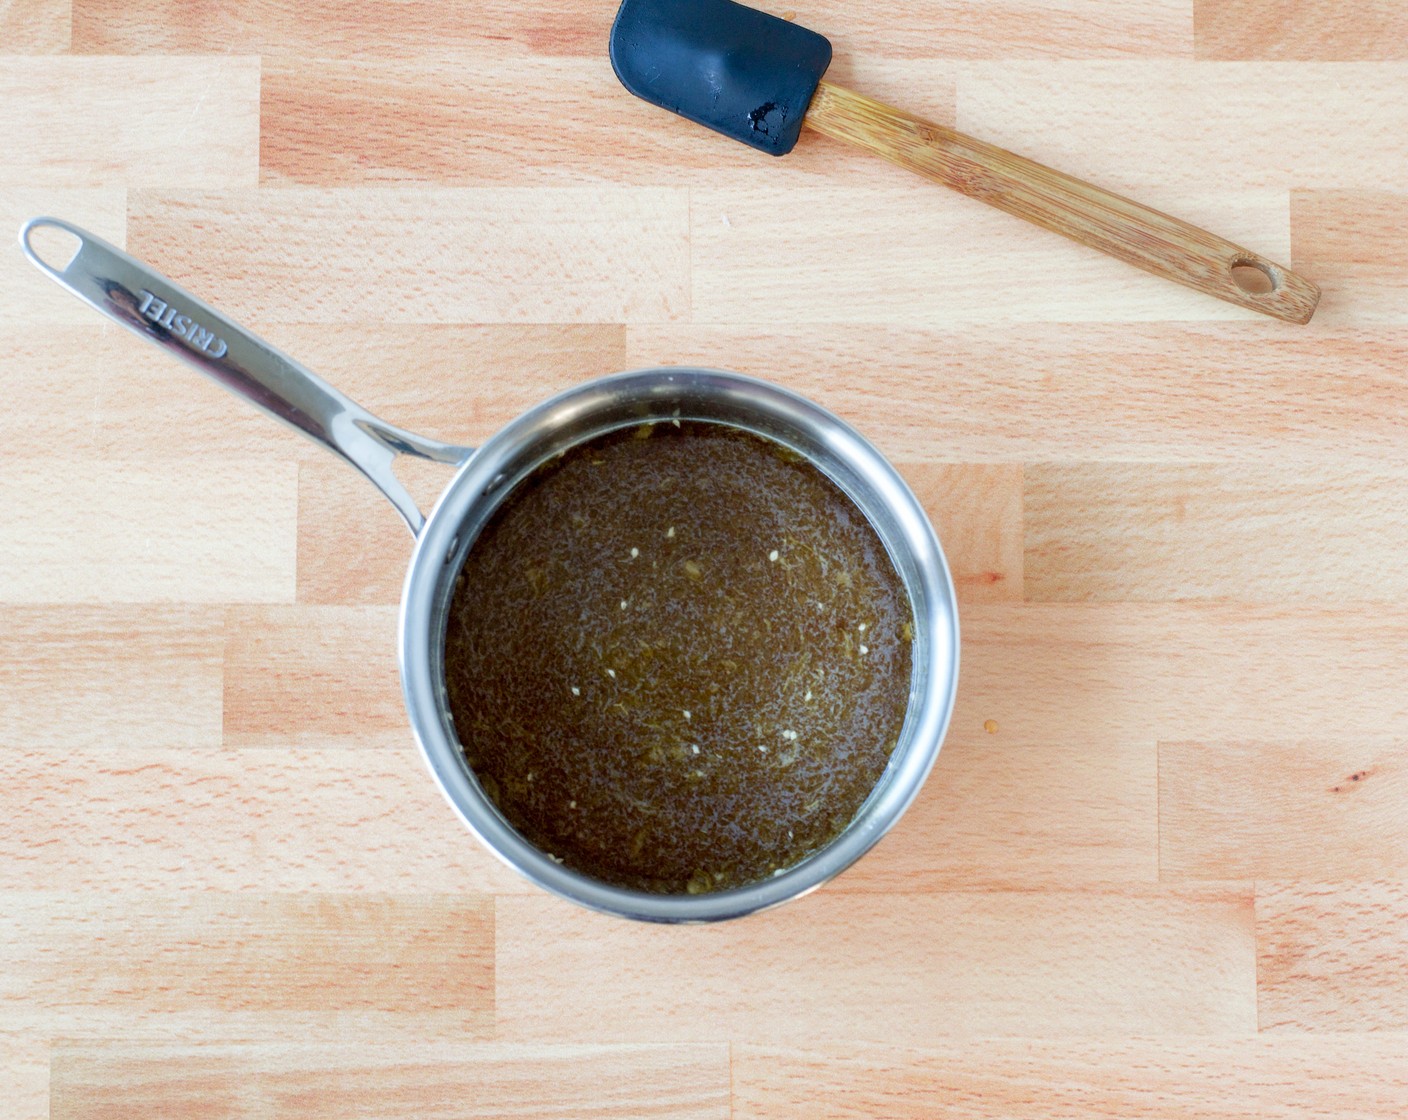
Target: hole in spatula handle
{"x":1253,"y":277}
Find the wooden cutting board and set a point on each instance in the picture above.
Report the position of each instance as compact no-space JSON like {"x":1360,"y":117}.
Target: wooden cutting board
{"x":1161,"y":868}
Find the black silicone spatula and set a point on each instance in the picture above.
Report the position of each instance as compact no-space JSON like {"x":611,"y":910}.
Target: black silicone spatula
{"x":758,"y":79}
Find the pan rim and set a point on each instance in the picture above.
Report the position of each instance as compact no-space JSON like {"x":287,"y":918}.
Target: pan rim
{"x":474,"y":487}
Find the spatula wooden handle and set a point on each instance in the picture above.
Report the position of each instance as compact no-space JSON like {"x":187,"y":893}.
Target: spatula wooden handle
{"x":1085,"y":213}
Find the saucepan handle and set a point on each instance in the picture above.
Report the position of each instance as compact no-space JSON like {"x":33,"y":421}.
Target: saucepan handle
{"x":150,"y":305}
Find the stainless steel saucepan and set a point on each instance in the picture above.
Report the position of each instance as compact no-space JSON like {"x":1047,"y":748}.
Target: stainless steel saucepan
{"x":151,"y":306}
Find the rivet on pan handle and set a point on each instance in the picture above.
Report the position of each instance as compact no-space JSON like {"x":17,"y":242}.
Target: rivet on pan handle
{"x":155,"y":308}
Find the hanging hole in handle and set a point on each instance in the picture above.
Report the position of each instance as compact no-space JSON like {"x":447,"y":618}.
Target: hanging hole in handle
{"x":51,"y":245}
{"x":1253,"y":277}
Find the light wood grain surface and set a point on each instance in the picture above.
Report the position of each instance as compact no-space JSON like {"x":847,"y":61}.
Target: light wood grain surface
{"x":1159,"y":870}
